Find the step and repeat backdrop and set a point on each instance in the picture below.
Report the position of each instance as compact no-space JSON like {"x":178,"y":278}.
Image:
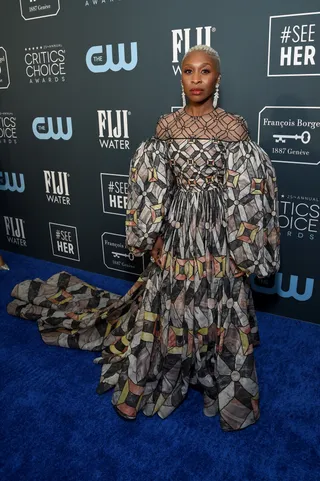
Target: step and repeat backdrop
{"x":83,"y":82}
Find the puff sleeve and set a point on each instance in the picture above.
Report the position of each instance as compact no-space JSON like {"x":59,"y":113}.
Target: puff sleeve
{"x":150,"y":191}
{"x":251,"y":199}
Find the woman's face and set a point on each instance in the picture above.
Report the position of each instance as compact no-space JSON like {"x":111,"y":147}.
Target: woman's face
{"x":199,"y":76}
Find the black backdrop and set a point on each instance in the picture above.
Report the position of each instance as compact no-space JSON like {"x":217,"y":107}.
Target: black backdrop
{"x":72,"y":112}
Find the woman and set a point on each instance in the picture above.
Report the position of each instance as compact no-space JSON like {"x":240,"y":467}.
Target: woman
{"x":203,"y":199}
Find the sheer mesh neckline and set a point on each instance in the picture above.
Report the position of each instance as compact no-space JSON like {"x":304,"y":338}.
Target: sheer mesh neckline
{"x":198,"y":116}
{"x":217,"y":125}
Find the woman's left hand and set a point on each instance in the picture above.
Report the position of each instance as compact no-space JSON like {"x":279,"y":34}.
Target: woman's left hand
{"x":157,"y":250}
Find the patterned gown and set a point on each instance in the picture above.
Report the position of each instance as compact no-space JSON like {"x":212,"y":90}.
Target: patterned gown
{"x":210,"y":192}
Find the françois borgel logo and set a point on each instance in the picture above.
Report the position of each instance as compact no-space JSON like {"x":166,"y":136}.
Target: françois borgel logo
{"x":64,"y":241}
{"x":45,"y":64}
{"x":4,"y":69}
{"x":114,"y":190}
{"x":8,"y":128}
{"x":100,"y":58}
{"x":294,"y":45}
{"x":113,"y":129}
{"x":117,"y":257}
{"x":33,"y":9}
{"x":9,"y":181}
{"x":184,"y":38}
{"x":290,"y":135}
{"x":57,"y":187}
{"x":299,"y":216}
{"x":15,"y":231}
{"x":45,"y":128}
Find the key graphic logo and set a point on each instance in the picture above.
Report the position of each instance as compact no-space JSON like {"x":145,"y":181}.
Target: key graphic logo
{"x":46,"y":128}
{"x":4,"y":69}
{"x":10,"y":182}
{"x":117,"y":257}
{"x":100,"y":61}
{"x":33,"y":9}
{"x":294,"y":45}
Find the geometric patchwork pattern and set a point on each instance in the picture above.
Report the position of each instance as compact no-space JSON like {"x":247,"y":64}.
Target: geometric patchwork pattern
{"x":211,"y":193}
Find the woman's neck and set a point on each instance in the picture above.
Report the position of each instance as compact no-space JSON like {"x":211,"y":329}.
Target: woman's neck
{"x":197,"y":110}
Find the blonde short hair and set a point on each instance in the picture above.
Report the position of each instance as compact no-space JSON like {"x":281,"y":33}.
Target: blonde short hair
{"x":209,"y":50}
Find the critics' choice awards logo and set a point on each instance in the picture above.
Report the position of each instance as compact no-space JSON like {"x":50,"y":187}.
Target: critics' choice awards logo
{"x":57,"y":187}
{"x":100,"y":58}
{"x":64,"y":241}
{"x":45,"y":128}
{"x":15,"y":232}
{"x":4,"y":69}
{"x":96,"y":3}
{"x":33,"y":9}
{"x":286,"y":286}
{"x":114,"y":190}
{"x":45,"y":64}
{"x":294,"y":45}
{"x":290,"y":135}
{"x":117,"y":257}
{"x":113,"y":129}
{"x":299,"y":216}
{"x":184,"y":38}
{"x":8,"y":128}
{"x":9,"y":181}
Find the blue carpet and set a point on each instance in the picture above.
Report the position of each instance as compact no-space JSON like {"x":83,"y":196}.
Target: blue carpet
{"x":55,"y":427}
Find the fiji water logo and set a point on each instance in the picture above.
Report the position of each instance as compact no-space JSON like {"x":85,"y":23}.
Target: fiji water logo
{"x":9,"y":181}
{"x":57,"y":187}
{"x":292,"y":290}
{"x":15,"y":231}
{"x":100,"y":61}
{"x":45,"y":128}
{"x":113,"y":129}
{"x":184,"y":38}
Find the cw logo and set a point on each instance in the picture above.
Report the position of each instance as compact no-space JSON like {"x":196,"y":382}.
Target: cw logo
{"x":100,"y":65}
{"x":6,"y":184}
{"x":43,"y":129}
{"x":291,"y":292}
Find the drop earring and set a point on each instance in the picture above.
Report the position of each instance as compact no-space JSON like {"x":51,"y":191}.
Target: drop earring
{"x":183,"y":95}
{"x":216,"y":94}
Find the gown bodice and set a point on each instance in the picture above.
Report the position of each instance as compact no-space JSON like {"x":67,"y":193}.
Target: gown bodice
{"x":204,"y":185}
{"x":197,"y":165}
{"x":196,"y":147}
